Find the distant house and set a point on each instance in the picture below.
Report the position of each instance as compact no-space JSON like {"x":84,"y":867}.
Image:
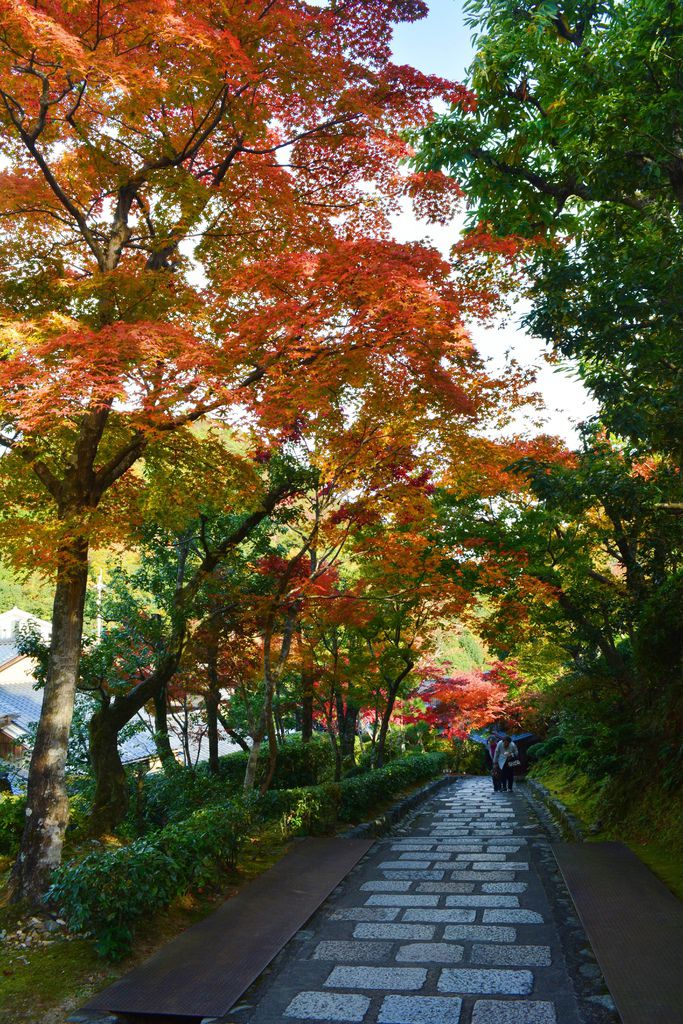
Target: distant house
{"x":19,"y":702}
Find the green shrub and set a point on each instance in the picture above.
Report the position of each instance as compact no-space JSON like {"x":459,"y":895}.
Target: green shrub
{"x":175,"y":793}
{"x":12,"y":817}
{"x":298,"y":764}
{"x":362,"y":793}
{"x":106,"y":894}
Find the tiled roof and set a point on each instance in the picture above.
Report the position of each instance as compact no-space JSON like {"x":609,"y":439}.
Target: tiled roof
{"x":20,"y":702}
{"x":9,"y":650}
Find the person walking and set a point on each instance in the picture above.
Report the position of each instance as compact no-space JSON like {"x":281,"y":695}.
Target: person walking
{"x":495,"y":770}
{"x":503,"y":759}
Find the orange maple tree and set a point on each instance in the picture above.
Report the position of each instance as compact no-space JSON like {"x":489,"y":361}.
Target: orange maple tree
{"x":187,"y":230}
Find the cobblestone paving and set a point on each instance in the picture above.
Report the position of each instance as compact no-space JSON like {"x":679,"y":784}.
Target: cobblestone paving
{"x":445,"y":921}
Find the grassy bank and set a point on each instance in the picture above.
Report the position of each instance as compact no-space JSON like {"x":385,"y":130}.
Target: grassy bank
{"x":647,"y":819}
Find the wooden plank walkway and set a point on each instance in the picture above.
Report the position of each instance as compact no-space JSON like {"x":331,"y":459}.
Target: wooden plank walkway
{"x":635,"y":926}
{"x":204,"y":971}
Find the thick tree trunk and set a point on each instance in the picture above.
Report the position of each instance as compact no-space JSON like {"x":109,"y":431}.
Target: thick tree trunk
{"x":114,"y":716}
{"x":47,"y":809}
{"x":111,"y":786}
{"x":347,"y":735}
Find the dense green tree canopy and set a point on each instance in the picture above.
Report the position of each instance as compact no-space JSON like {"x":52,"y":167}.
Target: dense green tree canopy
{"x":576,"y":146}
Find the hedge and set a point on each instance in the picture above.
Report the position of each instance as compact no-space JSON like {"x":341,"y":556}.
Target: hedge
{"x":107,"y":893}
{"x":173,"y":796}
{"x":12,"y":820}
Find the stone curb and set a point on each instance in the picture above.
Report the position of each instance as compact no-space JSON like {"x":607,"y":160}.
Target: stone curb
{"x":568,"y":822}
{"x":379,"y":826}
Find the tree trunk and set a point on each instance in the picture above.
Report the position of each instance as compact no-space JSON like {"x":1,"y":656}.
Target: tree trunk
{"x":272,"y":756}
{"x":163,"y":743}
{"x":386,"y":717}
{"x":252,"y":764}
{"x":211,"y":705}
{"x":347,"y":734}
{"x":122,"y":710}
{"x":47,"y":808}
{"x":111,"y":786}
{"x":307,"y":700}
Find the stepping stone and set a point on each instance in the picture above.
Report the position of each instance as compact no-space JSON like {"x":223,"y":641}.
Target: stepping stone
{"x":482,"y":901}
{"x":419,"y":1010}
{"x":440,"y":916}
{"x":523,"y":1011}
{"x":364,"y":914}
{"x":431,"y":953}
{"x":503,"y":983}
{"x":473,"y":932}
{"x":386,"y":887}
{"x":514,"y":956}
{"x":405,"y":931}
{"x":357,"y":952}
{"x":512,"y":917}
{"x":409,"y":979}
{"x":403,"y":901}
{"x":328,"y":1006}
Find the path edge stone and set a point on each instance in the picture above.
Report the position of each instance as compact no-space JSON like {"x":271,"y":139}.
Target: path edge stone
{"x":385,"y":822}
{"x":564,"y":817}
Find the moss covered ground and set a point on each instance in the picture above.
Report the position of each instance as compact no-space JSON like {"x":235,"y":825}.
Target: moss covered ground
{"x":43,"y":984}
{"x":649,"y":820}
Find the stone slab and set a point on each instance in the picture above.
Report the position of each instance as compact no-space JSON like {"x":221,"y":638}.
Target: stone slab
{"x":440,"y":916}
{"x":445,"y":887}
{"x":479,"y":933}
{"x":328,"y":1006}
{"x":503,"y":887}
{"x":512,"y":956}
{"x":431,"y":952}
{"x":400,"y":900}
{"x":485,"y":982}
{"x":402,"y":979}
{"x":400,"y":931}
{"x":415,"y":876}
{"x":354,"y":952}
{"x":419,"y":1010}
{"x":386,"y":887}
{"x":482,"y":901}
{"x":512,"y":917}
{"x":522,"y":1011}
{"x":364,"y":914}
{"x":401,"y":865}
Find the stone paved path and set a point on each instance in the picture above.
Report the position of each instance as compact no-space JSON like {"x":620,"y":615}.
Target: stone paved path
{"x":446,"y":921}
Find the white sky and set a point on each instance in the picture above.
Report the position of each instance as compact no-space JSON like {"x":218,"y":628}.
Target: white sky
{"x":440,"y":44}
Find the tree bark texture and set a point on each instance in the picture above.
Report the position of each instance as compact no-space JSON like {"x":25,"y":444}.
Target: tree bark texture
{"x":47,"y":807}
{"x":110,"y":803}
